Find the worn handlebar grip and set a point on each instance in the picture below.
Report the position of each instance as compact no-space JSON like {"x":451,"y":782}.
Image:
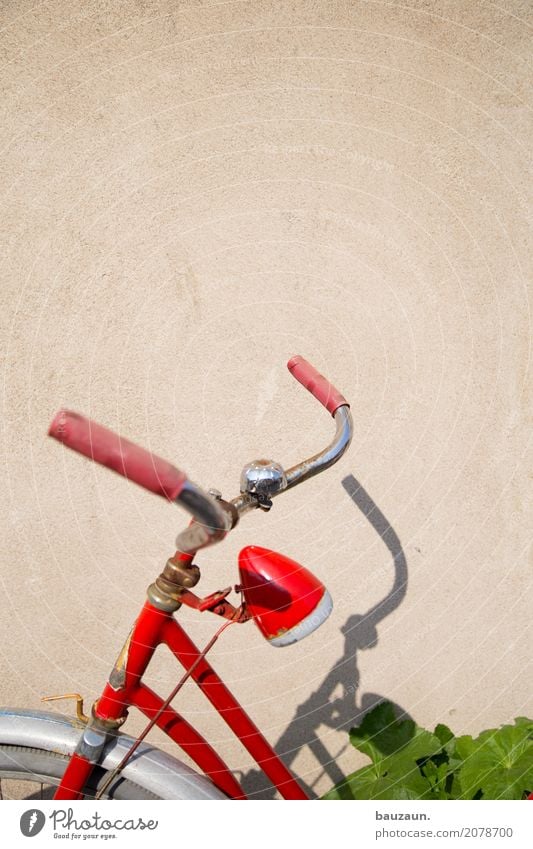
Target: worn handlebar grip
{"x":316,"y":384}
{"x":111,"y":450}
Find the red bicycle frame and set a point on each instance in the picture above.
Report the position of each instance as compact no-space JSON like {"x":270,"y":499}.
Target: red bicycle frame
{"x":153,"y":628}
{"x":212,"y":519}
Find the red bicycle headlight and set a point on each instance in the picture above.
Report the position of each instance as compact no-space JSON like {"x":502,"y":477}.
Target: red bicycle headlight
{"x":286,"y":600}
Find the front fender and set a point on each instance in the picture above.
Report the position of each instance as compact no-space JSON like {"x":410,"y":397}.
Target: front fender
{"x":160,"y":773}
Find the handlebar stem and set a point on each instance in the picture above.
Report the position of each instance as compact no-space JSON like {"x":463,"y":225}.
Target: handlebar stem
{"x":211,"y":521}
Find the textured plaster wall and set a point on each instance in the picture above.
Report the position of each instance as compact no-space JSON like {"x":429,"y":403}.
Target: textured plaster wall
{"x":191,"y":193}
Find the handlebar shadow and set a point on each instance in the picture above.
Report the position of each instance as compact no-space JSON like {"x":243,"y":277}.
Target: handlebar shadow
{"x":322,"y":707}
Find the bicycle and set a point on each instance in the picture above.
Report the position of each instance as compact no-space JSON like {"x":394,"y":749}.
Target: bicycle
{"x":90,"y":757}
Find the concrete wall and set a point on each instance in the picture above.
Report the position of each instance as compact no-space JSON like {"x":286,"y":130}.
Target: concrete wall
{"x":191,"y":193}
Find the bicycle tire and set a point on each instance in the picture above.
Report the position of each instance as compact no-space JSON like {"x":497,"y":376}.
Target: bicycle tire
{"x":40,"y":766}
{"x":37,"y":746}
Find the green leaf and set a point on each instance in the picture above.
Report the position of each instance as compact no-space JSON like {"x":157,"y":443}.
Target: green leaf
{"x":498,"y":763}
{"x":464,"y":746}
{"x":449,"y":747}
{"x":512,"y":782}
{"x":437,"y":776}
{"x":381,"y":735}
{"x":411,"y":763}
{"x":523,"y":720}
{"x":394,"y":747}
{"x":365,"y":784}
{"x":376,"y":736}
{"x":444,"y":734}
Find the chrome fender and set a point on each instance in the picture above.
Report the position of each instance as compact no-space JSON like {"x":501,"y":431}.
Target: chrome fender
{"x":157,"y":771}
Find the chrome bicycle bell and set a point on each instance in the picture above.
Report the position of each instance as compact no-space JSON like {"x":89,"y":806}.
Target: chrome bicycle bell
{"x":263,"y":478}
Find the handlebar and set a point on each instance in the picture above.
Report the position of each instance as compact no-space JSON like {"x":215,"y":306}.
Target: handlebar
{"x":316,"y":384}
{"x":212,"y":517}
{"x":102,"y":445}
{"x":337,"y":405}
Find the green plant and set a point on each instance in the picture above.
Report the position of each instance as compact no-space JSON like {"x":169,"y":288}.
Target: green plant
{"x":409,"y":762}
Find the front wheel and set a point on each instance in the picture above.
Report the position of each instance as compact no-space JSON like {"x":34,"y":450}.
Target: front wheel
{"x":27,"y":773}
{"x":35,"y":748}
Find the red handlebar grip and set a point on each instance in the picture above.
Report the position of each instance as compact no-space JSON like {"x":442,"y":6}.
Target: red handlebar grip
{"x":111,"y":450}
{"x":317,"y":385}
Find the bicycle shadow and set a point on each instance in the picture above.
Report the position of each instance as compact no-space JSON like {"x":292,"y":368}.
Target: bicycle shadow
{"x":327,"y":707}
